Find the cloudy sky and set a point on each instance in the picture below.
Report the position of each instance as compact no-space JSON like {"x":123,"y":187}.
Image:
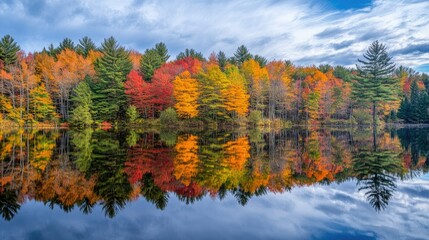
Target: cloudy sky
{"x":306,"y":32}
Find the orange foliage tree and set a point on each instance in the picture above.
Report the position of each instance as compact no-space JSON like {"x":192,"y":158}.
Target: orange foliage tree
{"x":70,"y":69}
{"x":186,"y":95}
{"x":258,"y":79}
{"x":186,"y":160}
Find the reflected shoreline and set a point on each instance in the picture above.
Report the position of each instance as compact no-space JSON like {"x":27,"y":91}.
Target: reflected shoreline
{"x":82,"y":169}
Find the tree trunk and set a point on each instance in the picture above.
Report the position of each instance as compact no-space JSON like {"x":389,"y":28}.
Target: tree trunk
{"x":374,"y":139}
{"x":374,"y":114}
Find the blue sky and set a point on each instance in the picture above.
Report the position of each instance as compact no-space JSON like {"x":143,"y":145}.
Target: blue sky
{"x":306,"y":32}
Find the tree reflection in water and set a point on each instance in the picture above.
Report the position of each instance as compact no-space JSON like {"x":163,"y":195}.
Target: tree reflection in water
{"x":85,"y":168}
{"x":375,"y":174}
{"x":9,"y":205}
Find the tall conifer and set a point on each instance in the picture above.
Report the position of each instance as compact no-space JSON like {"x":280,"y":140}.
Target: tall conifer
{"x":112,"y":68}
{"x":374,"y":83}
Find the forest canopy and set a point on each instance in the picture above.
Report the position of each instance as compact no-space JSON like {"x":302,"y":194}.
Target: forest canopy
{"x":84,"y":84}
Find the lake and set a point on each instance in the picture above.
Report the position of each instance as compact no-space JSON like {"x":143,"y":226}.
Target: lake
{"x":292,"y":184}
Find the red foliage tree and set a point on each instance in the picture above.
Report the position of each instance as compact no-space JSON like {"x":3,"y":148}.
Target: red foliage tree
{"x":151,"y":98}
{"x":137,"y":91}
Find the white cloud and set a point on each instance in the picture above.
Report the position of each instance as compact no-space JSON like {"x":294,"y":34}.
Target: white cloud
{"x":305,"y":32}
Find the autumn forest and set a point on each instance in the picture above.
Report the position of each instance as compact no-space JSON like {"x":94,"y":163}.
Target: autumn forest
{"x":85,"y":85}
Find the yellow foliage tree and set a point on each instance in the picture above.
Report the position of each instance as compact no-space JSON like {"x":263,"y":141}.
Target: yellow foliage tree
{"x":41,"y":153}
{"x":281,"y":87}
{"x":237,"y":153}
{"x":135,"y":58}
{"x":186,"y":94}
{"x":258,"y":79}
{"x":44,"y":69}
{"x":235,"y":94}
{"x":212,"y":102}
{"x":186,"y":160}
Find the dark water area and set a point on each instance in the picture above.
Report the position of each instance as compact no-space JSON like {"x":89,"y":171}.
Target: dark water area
{"x":289,"y":184}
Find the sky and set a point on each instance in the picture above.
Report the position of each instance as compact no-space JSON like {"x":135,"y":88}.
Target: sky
{"x":310,"y":32}
{"x":337,"y":211}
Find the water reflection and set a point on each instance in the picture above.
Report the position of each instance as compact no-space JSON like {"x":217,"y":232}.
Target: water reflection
{"x":82,"y":169}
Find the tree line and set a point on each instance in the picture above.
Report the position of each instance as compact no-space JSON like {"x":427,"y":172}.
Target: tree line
{"x":85,"y":84}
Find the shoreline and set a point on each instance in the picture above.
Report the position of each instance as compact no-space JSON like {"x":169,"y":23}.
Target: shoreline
{"x":184,"y":127}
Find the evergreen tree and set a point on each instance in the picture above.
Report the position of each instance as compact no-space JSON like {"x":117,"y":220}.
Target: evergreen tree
{"x":414,"y":96}
{"x":261,"y":60}
{"x":404,"y":111}
{"x":374,"y":83}
{"x":81,"y":117}
{"x":414,"y":102}
{"x":375,"y":172}
{"x":52,"y":51}
{"x":241,"y":55}
{"x":422,"y":107}
{"x":425,"y":80}
{"x":108,"y":90}
{"x":153,"y":193}
{"x":190,"y":53}
{"x":8,"y":50}
{"x":85,"y":45}
{"x":150,"y":61}
{"x":324,"y":68}
{"x":67,"y":43}
{"x":416,"y":110}
{"x":222,"y":60}
{"x":343,"y":73}
{"x":81,"y":148}
{"x":9,"y":204}
{"x":162,"y":51}
{"x":82,"y":100}
{"x":107,"y":159}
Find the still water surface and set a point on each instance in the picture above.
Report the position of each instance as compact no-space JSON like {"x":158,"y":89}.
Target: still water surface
{"x":291,"y":184}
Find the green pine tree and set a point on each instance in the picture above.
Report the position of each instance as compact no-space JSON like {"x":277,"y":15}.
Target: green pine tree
{"x":82,"y":100}
{"x":52,"y":51}
{"x":375,"y":171}
{"x":108,"y":89}
{"x":414,"y":102}
{"x":82,"y":148}
{"x":67,"y":43}
{"x":404,"y":111}
{"x":222,"y":60}
{"x":150,"y":61}
{"x":241,"y":55}
{"x":8,"y":50}
{"x":107,"y":159}
{"x":343,"y":73}
{"x":190,"y":53}
{"x":162,"y":51}
{"x":374,"y":83}
{"x":423,"y":107}
{"x":261,"y":60}
{"x":85,"y":45}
